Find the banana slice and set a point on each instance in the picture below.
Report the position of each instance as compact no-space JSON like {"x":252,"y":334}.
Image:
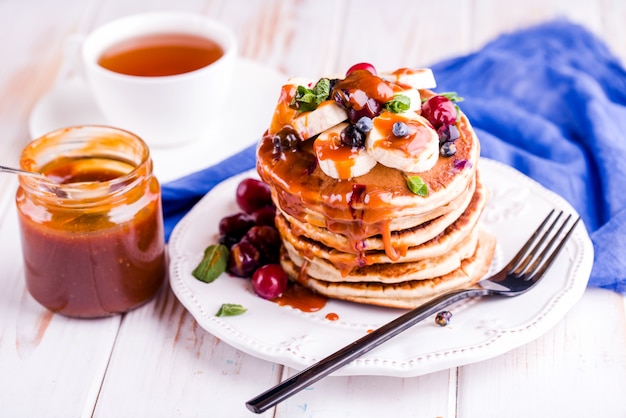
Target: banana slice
{"x":415,"y":152}
{"x":339,"y":161}
{"x":306,"y":124}
{"x":419,"y":78}
{"x":327,"y":115}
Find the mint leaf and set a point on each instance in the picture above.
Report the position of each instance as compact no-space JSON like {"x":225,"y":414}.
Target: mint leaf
{"x":306,"y":99}
{"x":213,"y":263}
{"x":417,"y":185}
{"x":450,"y":95}
{"x":322,"y":89}
{"x":230,"y":309}
{"x":399,"y":103}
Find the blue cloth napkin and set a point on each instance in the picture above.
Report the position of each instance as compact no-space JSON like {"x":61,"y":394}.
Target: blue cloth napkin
{"x":550,"y":101}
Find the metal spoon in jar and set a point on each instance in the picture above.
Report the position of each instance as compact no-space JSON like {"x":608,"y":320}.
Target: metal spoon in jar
{"x":4,"y":169}
{"x":78,"y":190}
{"x":50,"y":185}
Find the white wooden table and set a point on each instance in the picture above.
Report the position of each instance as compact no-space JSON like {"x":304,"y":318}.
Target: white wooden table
{"x":156,"y":361}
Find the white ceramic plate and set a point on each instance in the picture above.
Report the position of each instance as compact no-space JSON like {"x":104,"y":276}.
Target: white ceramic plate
{"x":480,"y":329}
{"x":70,"y":103}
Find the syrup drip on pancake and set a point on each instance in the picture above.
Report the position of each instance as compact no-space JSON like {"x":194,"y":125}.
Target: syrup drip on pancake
{"x":304,"y":192}
{"x":356,"y":199}
{"x":283,"y":114}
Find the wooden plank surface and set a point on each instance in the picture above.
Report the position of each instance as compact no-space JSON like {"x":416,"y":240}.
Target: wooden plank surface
{"x":57,"y":360}
{"x":157,"y":361}
{"x":572,"y":371}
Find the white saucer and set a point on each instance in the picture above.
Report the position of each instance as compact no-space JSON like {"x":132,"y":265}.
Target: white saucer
{"x":250,"y":108}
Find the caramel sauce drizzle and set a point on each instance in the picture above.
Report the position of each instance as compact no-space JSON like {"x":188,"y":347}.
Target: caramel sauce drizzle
{"x":361,"y":86}
{"x":333,"y":150}
{"x":356,"y":208}
{"x":283,"y":114}
{"x":411,"y":144}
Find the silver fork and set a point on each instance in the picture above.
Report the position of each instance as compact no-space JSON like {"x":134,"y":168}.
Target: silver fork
{"x":521,"y":274}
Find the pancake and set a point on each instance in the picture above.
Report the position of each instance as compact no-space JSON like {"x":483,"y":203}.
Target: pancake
{"x":393,"y":272}
{"x":303,"y":191}
{"x":447,"y":229}
{"x":407,"y":294}
{"x":355,"y":221}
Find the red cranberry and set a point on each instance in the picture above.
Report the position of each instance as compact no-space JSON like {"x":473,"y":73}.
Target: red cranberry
{"x":264,"y":216}
{"x":269,"y":281}
{"x":267,"y":240}
{"x":235,"y":226}
{"x":253,"y":194}
{"x":362,"y":66}
{"x":370,"y":109}
{"x":439,"y":111}
{"x":244,"y":258}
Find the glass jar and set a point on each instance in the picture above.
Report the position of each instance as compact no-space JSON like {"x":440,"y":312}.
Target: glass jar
{"x":92,"y":228}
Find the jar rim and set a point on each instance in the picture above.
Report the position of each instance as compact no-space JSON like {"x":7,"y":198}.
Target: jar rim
{"x":85,"y":141}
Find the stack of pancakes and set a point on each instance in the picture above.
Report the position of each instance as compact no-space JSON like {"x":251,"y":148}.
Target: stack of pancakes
{"x":369,"y":239}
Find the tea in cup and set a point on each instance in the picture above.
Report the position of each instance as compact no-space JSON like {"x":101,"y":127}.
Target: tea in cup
{"x":164,"y":75}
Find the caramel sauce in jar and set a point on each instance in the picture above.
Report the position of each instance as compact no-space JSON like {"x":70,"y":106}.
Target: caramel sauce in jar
{"x":98,"y":249}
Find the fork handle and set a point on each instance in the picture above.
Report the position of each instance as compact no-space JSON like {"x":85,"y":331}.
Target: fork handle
{"x":355,"y":349}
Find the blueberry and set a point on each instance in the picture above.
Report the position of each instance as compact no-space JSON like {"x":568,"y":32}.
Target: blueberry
{"x":286,"y":140}
{"x":364,"y":124}
{"x":352,"y":137}
{"x":448,"y":133}
{"x":447,"y":149}
{"x":454,"y":133}
{"x":400,"y":129}
{"x":443,"y":318}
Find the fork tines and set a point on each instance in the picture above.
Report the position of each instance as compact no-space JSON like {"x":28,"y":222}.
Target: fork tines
{"x":542,"y":247}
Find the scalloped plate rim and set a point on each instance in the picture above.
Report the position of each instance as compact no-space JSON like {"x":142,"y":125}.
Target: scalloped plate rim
{"x":288,"y":352}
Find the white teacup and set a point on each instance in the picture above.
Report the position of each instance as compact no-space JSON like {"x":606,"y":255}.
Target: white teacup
{"x":163,"y":110}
